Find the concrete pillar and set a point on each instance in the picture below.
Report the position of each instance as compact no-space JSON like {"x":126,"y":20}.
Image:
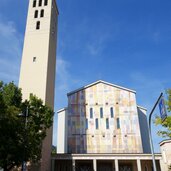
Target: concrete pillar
{"x":53,"y":165}
{"x":139,"y":165}
{"x":116,"y":165}
{"x":163,"y":165}
{"x":94,"y":165}
{"x":73,"y":165}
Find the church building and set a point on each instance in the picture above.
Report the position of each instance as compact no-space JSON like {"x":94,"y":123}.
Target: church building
{"x":103,"y":129}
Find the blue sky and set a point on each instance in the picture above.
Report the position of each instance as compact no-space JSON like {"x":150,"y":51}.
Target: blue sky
{"x":125,"y":42}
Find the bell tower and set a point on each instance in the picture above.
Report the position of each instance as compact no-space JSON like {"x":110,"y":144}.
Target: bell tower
{"x":38,"y":66}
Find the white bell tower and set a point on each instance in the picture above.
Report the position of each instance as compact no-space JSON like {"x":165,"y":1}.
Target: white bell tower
{"x":38,"y":66}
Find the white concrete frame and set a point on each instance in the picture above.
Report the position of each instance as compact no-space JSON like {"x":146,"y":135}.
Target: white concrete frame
{"x":112,"y":157}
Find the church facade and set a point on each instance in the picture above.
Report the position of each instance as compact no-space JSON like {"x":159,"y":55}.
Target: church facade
{"x":103,"y":128}
{"x":104,"y":118}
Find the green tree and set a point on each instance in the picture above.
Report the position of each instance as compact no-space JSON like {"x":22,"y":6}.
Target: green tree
{"x":19,"y":142}
{"x":54,"y":149}
{"x":167,"y":122}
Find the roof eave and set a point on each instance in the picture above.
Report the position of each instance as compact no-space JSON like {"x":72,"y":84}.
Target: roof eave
{"x":100,"y":81}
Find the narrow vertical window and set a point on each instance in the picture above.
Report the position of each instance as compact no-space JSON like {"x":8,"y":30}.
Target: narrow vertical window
{"x":101,"y":112}
{"x":46,"y":2}
{"x":34,"y":3}
{"x":118,"y":123}
{"x":97,"y":124}
{"x":91,"y":112}
{"x":42,"y":13}
{"x":107,"y":123}
{"x":86,"y":123}
{"x":34,"y":59}
{"x":111,"y":112}
{"x":40,"y":3}
{"x":38,"y":25}
{"x":36,"y":14}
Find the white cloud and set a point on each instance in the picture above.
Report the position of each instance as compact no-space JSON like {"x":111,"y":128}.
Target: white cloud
{"x":96,"y":45}
{"x":156,"y":37}
{"x":10,"y":51}
{"x":65,"y":82}
{"x":62,"y":74}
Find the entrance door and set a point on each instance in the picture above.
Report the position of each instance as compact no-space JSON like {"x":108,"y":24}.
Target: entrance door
{"x":104,"y":167}
{"x":84,"y":167}
{"x":125,"y":168}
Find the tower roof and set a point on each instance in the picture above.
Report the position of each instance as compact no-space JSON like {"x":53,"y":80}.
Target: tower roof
{"x":97,"y":82}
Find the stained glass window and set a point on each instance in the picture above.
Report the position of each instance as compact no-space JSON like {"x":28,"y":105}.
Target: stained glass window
{"x":111,"y":112}
{"x":118,"y":123}
{"x":86,"y":123}
{"x":91,"y":112}
{"x":101,"y":112}
{"x":97,"y":124}
{"x":107,"y":123}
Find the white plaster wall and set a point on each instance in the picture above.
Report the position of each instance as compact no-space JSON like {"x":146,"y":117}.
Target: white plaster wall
{"x":165,"y":148}
{"x":144,"y":129}
{"x":62,"y":132}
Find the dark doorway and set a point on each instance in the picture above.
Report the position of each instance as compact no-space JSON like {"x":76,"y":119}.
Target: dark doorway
{"x":104,"y":166}
{"x":84,"y":166}
{"x":125,"y":167}
{"x":63,"y":165}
